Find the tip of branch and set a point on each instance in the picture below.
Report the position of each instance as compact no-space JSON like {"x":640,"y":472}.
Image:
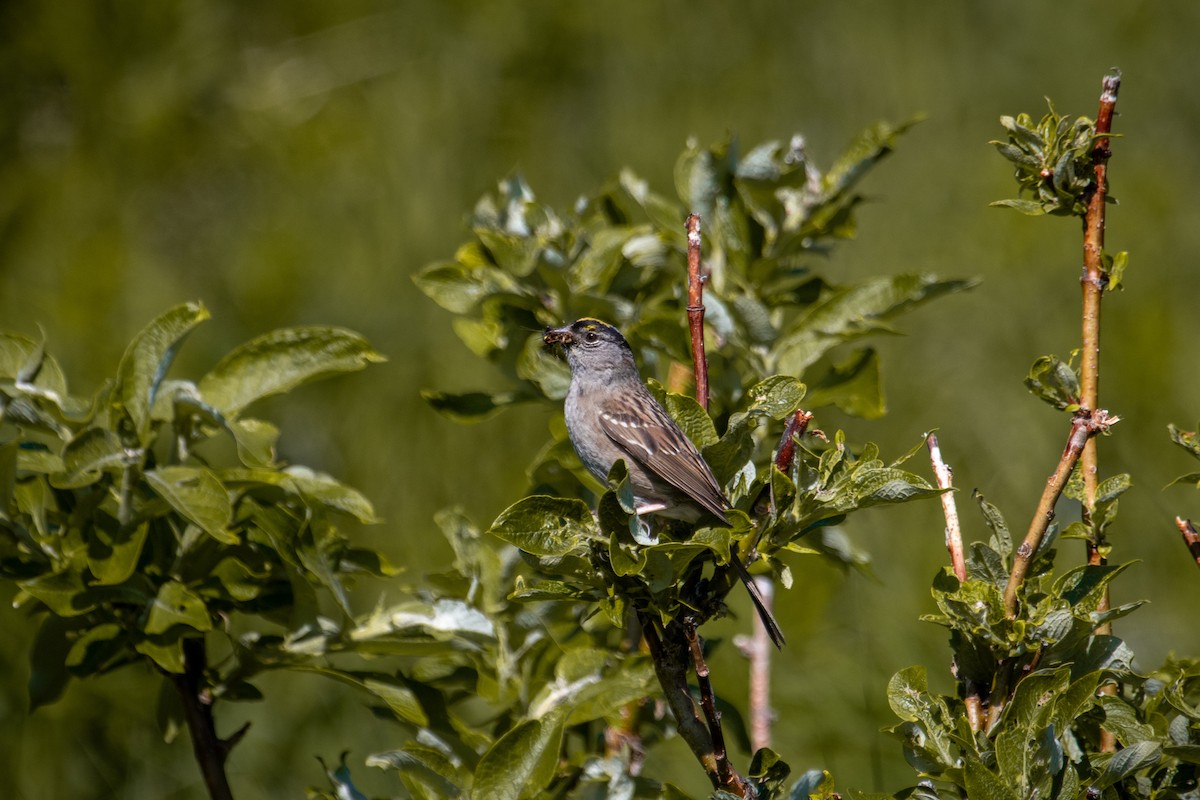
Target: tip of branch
{"x":1111,"y":85}
{"x":693,"y":230}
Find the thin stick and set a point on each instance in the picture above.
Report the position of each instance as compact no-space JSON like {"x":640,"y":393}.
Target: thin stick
{"x":954,"y":544}
{"x":1085,"y":425}
{"x":945,"y":482}
{"x":758,"y":650}
{"x":728,"y":777}
{"x":695,"y":310}
{"x":1190,"y":537}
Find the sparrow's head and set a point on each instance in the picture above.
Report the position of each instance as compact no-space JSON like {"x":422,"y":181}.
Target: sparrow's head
{"x":590,"y":346}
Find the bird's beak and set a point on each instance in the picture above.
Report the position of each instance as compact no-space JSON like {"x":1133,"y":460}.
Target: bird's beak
{"x":558,"y":336}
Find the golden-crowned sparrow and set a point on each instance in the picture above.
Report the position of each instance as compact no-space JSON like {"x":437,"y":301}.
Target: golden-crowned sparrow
{"x":611,"y":415}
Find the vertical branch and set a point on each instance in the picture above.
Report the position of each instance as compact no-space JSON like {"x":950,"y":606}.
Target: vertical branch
{"x":759,"y":651}
{"x":757,"y":648}
{"x":945,"y":482}
{"x":1093,"y":282}
{"x":695,"y":310}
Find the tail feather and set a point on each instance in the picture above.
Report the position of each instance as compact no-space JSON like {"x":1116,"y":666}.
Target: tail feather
{"x":764,"y":613}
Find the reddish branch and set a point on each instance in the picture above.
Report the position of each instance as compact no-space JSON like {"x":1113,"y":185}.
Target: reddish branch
{"x":727,"y":777}
{"x":695,"y":309}
{"x":1093,"y":282}
{"x":1190,"y":537}
{"x":796,"y":426}
{"x":1084,"y":426}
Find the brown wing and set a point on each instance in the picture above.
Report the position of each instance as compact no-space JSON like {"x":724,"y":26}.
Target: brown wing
{"x":658,"y":444}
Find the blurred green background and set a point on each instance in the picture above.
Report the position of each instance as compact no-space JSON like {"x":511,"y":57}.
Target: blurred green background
{"x":296,"y":162}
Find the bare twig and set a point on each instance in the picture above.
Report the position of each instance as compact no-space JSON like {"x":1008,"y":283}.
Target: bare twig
{"x":1085,"y":425}
{"x":210,"y":750}
{"x":757,"y":650}
{"x":726,"y":775}
{"x":954,"y":544}
{"x":1190,"y":537}
{"x":945,"y":482}
{"x":695,"y":310}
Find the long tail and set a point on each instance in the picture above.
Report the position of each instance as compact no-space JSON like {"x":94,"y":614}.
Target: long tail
{"x":764,"y":613}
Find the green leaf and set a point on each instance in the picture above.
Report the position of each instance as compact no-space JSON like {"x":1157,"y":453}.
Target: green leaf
{"x":1188,"y":440}
{"x":1121,"y":719}
{"x":852,"y":312}
{"x":95,"y":649}
{"x":88,"y":456}
{"x":907,"y":691}
{"x":177,"y":605}
{"x":871,"y":145}
{"x":280,"y":361}
{"x":471,"y":407}
{"x":987,"y":565}
{"x":146,"y":361}
{"x":612,"y":691}
{"x":1114,"y":269}
{"x":24,"y":360}
{"x":1054,"y":381}
{"x":426,"y":772}
{"x":853,"y":385}
{"x":1001,"y":541}
{"x":315,"y":488}
{"x":982,"y":784}
{"x":522,"y":762}
{"x":444,"y":619}
{"x":1112,"y":488}
{"x":698,"y":176}
{"x":546,"y":526}
{"x":113,"y":555}
{"x":63,"y":592}
{"x":255,"y":441}
{"x":693,"y":420}
{"x":776,"y":397}
{"x":459,"y":287}
{"x":1030,"y":208}
{"x":1128,"y":761}
{"x":198,"y":495}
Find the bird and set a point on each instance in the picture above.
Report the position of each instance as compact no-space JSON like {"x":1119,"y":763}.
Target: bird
{"x":611,"y":415}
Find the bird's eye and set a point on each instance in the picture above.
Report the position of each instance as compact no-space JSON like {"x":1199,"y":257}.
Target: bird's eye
{"x":591,"y":336}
